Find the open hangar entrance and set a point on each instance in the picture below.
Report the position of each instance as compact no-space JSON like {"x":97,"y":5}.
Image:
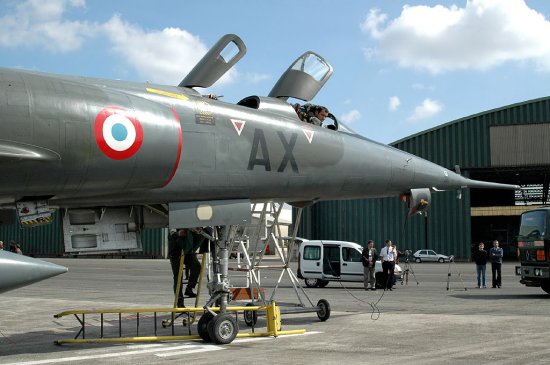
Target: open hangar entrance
{"x":507,"y":145}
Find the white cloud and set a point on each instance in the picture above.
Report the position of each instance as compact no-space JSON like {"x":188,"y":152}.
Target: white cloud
{"x":164,"y":56}
{"x":427,"y":109}
{"x":351,"y":116}
{"x":40,"y":23}
{"x":160,"y":56}
{"x":421,"y":86}
{"x":394,"y":103}
{"x":480,"y":35}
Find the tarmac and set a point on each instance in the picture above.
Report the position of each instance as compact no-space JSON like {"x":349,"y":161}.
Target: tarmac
{"x":442,"y":319}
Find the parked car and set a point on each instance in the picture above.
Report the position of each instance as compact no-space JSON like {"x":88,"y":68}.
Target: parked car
{"x":430,"y":255}
{"x":324,"y":261}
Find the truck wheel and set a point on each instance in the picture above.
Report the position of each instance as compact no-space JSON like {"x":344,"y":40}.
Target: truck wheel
{"x":546,"y":287}
{"x":312,"y":283}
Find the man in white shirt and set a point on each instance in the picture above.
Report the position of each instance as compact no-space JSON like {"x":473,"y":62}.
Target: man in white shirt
{"x":388,"y":255}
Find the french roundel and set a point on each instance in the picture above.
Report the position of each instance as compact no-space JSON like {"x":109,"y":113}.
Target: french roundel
{"x":118,"y":134}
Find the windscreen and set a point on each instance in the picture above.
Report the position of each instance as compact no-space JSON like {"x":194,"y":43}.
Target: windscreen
{"x":533,"y":224}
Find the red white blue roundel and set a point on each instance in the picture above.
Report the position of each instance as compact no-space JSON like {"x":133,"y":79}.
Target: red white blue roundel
{"x":118,"y":134}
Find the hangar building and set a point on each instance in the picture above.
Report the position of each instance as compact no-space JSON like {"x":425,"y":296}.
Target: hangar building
{"x":507,"y":145}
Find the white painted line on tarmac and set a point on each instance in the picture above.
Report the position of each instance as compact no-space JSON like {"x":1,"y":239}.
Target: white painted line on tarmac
{"x":202,"y":348}
{"x":159,"y":350}
{"x":102,"y":356}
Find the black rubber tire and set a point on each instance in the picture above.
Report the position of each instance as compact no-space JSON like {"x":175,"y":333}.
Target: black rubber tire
{"x":323,"y":310}
{"x":250,"y":317}
{"x":322,"y":283}
{"x":202,"y":326}
{"x":441,"y":260}
{"x":223,"y":328}
{"x":311,"y":283}
{"x":418,"y":259}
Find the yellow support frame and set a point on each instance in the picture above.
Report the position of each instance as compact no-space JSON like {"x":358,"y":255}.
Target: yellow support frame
{"x":273,"y":323}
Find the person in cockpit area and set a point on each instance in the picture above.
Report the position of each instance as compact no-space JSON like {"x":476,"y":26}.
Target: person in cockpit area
{"x":320,"y":113}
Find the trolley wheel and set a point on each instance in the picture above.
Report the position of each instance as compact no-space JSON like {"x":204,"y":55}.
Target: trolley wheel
{"x":323,"y":283}
{"x":323,"y":310}
{"x":311,"y":283}
{"x":250,"y":317}
{"x":223,"y":328}
{"x":202,"y":326}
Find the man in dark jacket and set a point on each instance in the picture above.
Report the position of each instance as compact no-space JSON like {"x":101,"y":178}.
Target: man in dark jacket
{"x":368,"y":258}
{"x":185,"y":241}
{"x":495,"y":254}
{"x":480,"y":258}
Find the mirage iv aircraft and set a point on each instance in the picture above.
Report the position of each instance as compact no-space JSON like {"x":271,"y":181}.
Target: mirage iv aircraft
{"x":125,"y":156}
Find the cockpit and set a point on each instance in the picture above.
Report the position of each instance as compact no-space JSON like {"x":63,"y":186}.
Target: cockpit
{"x":302,"y":81}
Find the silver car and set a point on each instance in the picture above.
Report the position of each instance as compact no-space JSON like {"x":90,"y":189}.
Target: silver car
{"x":430,"y":255}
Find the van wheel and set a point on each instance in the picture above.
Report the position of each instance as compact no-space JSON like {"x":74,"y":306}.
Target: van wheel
{"x":322,"y":283}
{"x":312,"y":283}
{"x":417,"y":259}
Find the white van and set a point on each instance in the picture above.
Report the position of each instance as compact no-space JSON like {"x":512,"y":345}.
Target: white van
{"x":323,"y":261}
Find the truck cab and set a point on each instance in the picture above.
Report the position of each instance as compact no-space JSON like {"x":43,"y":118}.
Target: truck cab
{"x":534,"y":249}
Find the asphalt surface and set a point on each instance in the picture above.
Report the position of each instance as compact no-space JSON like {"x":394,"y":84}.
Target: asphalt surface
{"x":420,"y":323}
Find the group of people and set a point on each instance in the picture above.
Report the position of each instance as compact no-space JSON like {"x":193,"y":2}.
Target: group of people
{"x":388,"y":256}
{"x":480,"y":257}
{"x":14,"y":247}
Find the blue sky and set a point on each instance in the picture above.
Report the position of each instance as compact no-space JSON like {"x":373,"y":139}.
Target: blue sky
{"x":399,"y":67}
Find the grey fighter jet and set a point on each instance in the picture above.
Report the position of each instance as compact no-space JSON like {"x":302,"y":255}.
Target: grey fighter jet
{"x":122,"y":155}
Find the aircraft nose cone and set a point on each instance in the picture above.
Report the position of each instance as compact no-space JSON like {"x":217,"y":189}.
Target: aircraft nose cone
{"x":18,"y":270}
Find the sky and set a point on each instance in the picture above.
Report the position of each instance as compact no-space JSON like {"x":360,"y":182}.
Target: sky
{"x":400,"y":67}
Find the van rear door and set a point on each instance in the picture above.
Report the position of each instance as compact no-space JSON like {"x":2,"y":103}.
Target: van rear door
{"x":310,"y":262}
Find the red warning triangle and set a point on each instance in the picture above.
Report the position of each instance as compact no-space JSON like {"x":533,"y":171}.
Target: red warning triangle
{"x":239,"y":125}
{"x":309,"y":133}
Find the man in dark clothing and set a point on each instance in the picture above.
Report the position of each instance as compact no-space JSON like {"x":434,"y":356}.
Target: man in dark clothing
{"x":174,"y":253}
{"x":186,"y":242}
{"x":368,"y":258}
{"x":480,"y":258}
{"x":495,"y":254}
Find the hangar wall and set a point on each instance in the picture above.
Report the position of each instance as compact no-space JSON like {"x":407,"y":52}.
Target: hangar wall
{"x":475,"y":143}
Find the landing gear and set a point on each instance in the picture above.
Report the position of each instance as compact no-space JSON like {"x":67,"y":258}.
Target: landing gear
{"x":223,"y":328}
{"x":202,"y":326}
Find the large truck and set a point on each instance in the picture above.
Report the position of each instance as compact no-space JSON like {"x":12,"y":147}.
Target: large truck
{"x":534,"y":249}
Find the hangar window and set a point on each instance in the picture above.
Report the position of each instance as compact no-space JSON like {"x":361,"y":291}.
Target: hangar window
{"x":312,"y":253}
